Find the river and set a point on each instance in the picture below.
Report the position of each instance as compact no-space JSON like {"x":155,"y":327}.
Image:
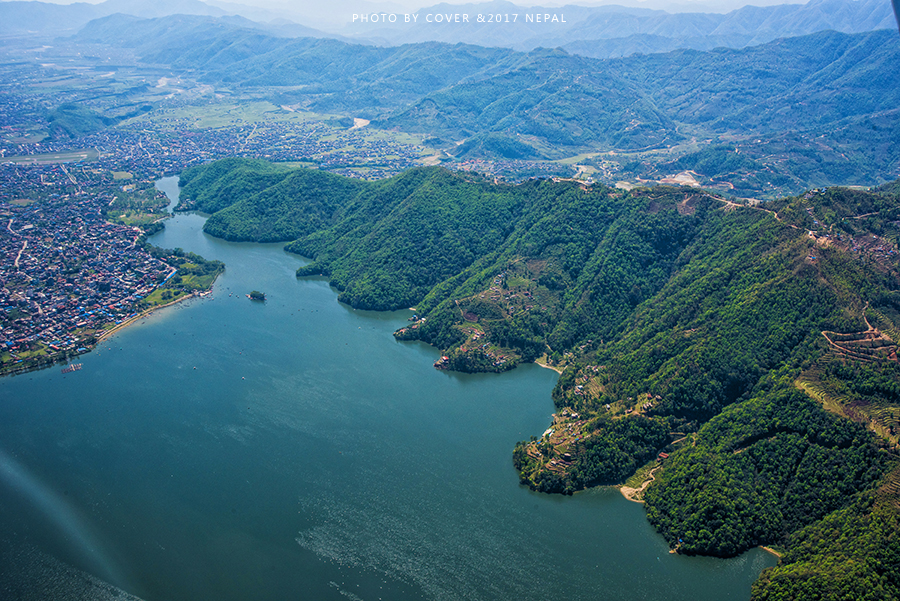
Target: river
{"x":224,"y":449}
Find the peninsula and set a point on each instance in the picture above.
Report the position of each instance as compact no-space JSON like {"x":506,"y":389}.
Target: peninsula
{"x":744,"y":355}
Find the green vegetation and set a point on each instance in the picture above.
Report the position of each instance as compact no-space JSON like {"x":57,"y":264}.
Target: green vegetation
{"x":139,"y":204}
{"x":720,"y":164}
{"x":71,"y":120}
{"x":561,"y":99}
{"x":758,"y":472}
{"x":752,"y":349}
{"x":38,"y":356}
{"x":495,"y":146}
{"x":193,"y":274}
{"x":850,"y":554}
{"x":350,"y":227}
{"x":276,"y":213}
{"x":606,"y":451}
{"x":221,"y":183}
{"x":257,"y":295}
{"x":824,"y":116}
{"x":684,"y":324}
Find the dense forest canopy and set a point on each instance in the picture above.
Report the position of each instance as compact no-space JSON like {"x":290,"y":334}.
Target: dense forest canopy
{"x":744,"y":355}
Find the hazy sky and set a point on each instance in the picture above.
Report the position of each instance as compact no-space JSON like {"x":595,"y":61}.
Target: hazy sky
{"x":670,"y":6}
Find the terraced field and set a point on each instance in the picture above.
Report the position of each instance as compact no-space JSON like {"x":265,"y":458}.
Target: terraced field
{"x":881,"y":415}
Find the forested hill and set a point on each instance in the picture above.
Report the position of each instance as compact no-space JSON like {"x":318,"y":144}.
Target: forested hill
{"x":682,"y":323}
{"x":462,"y":89}
{"x":801,"y":112}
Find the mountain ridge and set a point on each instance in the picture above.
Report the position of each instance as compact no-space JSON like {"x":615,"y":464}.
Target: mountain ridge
{"x":682,"y":323}
{"x":599,"y":32}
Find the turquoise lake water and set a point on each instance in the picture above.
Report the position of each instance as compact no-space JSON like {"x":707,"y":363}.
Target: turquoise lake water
{"x":223,"y":449}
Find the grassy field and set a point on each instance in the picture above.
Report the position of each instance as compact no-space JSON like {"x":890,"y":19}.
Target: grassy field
{"x":197,"y":282}
{"x":223,"y":115}
{"x":134,"y":218}
{"x":159,"y":297}
{"x":577,"y":158}
{"x":641,"y":475}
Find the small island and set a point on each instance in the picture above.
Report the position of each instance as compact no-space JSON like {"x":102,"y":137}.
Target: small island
{"x":739,"y":377}
{"x":256,"y":295}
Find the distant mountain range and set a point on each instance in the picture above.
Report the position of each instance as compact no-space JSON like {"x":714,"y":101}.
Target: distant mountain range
{"x":811,"y":110}
{"x":597,"y":31}
{"x":458,"y":91}
{"x":41,"y":18}
{"x":611,"y":31}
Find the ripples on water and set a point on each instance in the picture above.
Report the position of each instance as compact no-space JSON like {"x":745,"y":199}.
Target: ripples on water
{"x":310,"y":456}
{"x":28,"y":574}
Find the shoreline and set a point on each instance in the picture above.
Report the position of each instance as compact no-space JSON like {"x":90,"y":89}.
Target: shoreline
{"x":546,"y":366}
{"x":631,"y":493}
{"x":106,"y":334}
{"x":65,"y":357}
{"x":103,"y":336}
{"x":769,"y":550}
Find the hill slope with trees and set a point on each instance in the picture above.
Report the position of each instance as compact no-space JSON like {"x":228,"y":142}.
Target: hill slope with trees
{"x":738,"y":341}
{"x":805,"y":111}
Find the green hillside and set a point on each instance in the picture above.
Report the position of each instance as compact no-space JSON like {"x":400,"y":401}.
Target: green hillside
{"x":71,"y":120}
{"x":253,"y":200}
{"x":495,"y":146}
{"x":755,"y":346}
{"x":223,"y":182}
{"x":563,"y":99}
{"x":816,"y":110}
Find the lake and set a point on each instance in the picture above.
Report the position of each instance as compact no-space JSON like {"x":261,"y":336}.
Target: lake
{"x":225,"y":449}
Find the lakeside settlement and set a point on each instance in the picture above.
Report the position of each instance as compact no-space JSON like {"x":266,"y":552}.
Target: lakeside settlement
{"x":70,"y":277}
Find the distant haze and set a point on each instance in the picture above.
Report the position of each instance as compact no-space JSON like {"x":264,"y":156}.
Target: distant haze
{"x":596,"y":28}
{"x":716,"y":6}
{"x":336,"y":15}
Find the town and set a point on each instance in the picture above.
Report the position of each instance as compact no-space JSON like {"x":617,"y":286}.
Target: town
{"x":76,"y":207}
{"x":67,"y":274}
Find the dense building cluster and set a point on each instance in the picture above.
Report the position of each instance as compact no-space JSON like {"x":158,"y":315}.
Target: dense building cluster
{"x":514,"y":169}
{"x":165,"y":150}
{"x":66,"y":273}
